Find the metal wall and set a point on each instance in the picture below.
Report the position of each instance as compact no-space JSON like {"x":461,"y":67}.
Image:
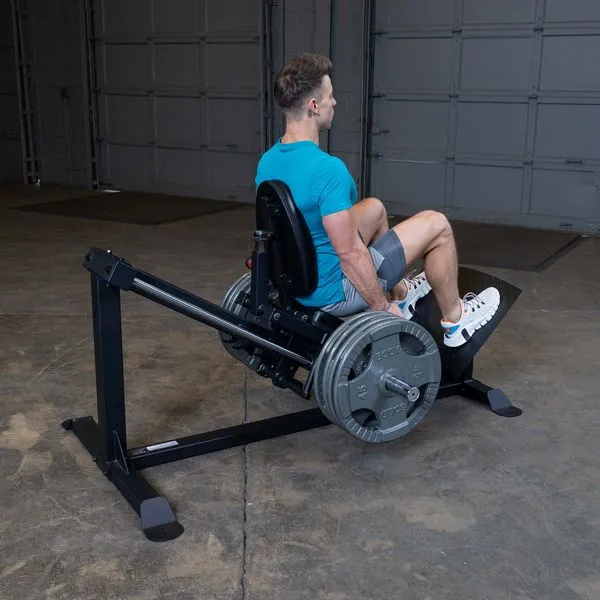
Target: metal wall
{"x":297,"y":26}
{"x":347,"y":54}
{"x":179,"y":99}
{"x":56,"y":54}
{"x":488,"y":110}
{"x":333,"y":28}
{"x":10,"y":134}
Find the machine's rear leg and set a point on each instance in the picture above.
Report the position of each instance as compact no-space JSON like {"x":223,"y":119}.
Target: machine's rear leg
{"x":494,"y":398}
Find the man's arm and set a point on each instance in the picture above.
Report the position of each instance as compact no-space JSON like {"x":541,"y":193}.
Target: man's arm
{"x":355,"y":258}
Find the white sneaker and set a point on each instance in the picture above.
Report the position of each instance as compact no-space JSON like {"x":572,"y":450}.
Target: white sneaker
{"x":418,"y":287}
{"x":477,"y":311}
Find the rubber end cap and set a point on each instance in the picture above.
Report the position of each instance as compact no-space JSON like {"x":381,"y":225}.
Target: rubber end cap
{"x":158,"y":520}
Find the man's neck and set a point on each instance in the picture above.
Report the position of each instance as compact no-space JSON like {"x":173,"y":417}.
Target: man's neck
{"x":301,"y":131}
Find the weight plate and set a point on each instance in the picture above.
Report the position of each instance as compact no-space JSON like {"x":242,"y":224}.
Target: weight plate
{"x":239,"y":348}
{"x":330,"y":358}
{"x":326,"y":360}
{"x":361,"y":415}
{"x":411,"y":356}
{"x":392,"y":346}
{"x":322,"y":363}
{"x":358,"y":332}
{"x":366,"y":322}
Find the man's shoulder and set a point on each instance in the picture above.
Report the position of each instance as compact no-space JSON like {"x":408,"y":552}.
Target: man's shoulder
{"x":328,"y":165}
{"x":332,"y":185}
{"x":267,"y":154}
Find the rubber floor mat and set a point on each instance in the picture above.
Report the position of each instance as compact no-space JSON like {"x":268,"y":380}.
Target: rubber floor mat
{"x":133,"y":207}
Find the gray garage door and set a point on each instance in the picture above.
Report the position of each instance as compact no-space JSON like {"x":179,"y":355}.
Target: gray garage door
{"x":346,"y":54}
{"x":333,"y":28}
{"x":51,"y":99}
{"x":179,"y":106}
{"x":10,"y":147}
{"x":55,"y":47}
{"x":489,"y":110}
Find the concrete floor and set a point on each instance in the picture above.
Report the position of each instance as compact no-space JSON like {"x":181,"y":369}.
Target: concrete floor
{"x":468,"y":506}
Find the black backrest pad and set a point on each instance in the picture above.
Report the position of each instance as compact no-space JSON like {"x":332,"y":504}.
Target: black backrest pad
{"x":276,"y":212}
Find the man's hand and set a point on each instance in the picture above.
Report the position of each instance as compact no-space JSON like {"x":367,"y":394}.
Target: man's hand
{"x":356,"y":259}
{"x":395,"y":310}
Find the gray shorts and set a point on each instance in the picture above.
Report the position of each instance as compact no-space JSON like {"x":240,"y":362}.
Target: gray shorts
{"x":390,"y":263}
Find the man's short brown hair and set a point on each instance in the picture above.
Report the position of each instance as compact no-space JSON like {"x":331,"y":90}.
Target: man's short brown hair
{"x":300,"y":79}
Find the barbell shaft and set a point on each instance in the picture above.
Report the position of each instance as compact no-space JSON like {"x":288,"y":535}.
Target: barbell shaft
{"x":396,"y":385}
{"x":393,"y":384}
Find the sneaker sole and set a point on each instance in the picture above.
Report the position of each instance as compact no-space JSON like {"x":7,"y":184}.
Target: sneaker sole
{"x":458,"y":339}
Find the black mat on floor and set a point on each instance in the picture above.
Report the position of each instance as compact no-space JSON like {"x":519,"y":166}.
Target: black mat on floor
{"x":510,"y":247}
{"x":133,"y":207}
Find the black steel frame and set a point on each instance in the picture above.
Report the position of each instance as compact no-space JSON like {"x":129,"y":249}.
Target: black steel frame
{"x":106,"y":438}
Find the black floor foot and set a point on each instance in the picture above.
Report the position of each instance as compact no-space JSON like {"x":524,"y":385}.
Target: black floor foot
{"x":501,"y":405}
{"x":494,"y":398}
{"x":158,"y":520}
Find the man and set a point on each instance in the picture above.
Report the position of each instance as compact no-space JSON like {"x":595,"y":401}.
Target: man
{"x":360,"y":260}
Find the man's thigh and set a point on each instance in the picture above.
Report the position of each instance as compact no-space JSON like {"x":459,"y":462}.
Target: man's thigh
{"x":389,"y":260}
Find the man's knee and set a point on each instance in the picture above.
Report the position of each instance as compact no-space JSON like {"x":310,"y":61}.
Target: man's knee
{"x":371,"y":218}
{"x":438,"y":222}
{"x":376,"y":207}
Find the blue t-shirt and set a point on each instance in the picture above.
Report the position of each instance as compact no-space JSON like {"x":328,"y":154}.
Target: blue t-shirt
{"x":320,"y":185}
